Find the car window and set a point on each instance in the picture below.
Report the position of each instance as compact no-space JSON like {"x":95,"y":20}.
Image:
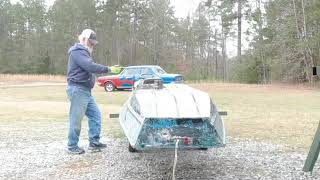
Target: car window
{"x":131,"y":72}
{"x":159,"y":70}
{"x":147,"y":71}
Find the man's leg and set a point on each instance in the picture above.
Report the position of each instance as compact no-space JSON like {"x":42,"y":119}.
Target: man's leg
{"x":79,"y":100}
{"x":94,"y":120}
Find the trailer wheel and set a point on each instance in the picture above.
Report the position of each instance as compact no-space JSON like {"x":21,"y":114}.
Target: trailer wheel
{"x":131,"y":149}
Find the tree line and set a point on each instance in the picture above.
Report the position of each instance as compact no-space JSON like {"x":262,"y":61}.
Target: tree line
{"x":284,"y":42}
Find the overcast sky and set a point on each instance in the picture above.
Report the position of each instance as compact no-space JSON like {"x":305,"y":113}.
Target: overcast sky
{"x":182,"y":9}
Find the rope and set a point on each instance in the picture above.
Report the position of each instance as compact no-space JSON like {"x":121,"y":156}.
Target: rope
{"x":175,"y":160}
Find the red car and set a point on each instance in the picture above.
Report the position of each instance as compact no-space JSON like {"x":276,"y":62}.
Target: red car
{"x":129,"y":75}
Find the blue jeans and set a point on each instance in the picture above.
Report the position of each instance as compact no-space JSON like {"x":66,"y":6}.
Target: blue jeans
{"x":82,"y":103}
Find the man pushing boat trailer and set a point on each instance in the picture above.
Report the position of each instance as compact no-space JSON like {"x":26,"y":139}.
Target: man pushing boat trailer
{"x":81,"y":79}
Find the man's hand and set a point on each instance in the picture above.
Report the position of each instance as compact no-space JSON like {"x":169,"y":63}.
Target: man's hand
{"x":116,"y":69}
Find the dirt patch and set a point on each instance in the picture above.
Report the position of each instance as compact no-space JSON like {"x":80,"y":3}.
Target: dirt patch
{"x":30,"y":84}
{"x":30,"y":78}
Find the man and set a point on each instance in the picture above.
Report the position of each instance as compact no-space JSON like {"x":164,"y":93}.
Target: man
{"x":81,"y":79}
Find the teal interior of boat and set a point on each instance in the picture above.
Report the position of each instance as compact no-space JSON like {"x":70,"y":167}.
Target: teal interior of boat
{"x":192,"y":132}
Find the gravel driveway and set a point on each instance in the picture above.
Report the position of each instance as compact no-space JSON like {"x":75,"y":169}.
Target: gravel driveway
{"x":240,"y":159}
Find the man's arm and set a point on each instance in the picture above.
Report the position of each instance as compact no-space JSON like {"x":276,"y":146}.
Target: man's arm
{"x":86,"y":63}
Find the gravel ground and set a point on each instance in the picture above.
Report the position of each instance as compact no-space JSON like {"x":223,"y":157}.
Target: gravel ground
{"x":240,"y":159}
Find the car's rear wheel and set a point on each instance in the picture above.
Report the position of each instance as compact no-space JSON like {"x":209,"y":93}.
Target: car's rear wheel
{"x":109,"y":87}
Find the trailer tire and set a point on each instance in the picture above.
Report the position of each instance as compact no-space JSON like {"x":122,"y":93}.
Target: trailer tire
{"x":131,"y":149}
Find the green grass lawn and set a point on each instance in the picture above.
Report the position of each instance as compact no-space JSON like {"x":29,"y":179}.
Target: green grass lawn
{"x":267,"y":113}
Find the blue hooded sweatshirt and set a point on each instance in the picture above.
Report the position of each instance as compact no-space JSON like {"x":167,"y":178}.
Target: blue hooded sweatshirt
{"x":81,"y":68}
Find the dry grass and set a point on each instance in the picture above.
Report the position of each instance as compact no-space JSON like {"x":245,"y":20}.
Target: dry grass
{"x":30,"y":108}
{"x":279,"y":114}
{"x":28,"y":78}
